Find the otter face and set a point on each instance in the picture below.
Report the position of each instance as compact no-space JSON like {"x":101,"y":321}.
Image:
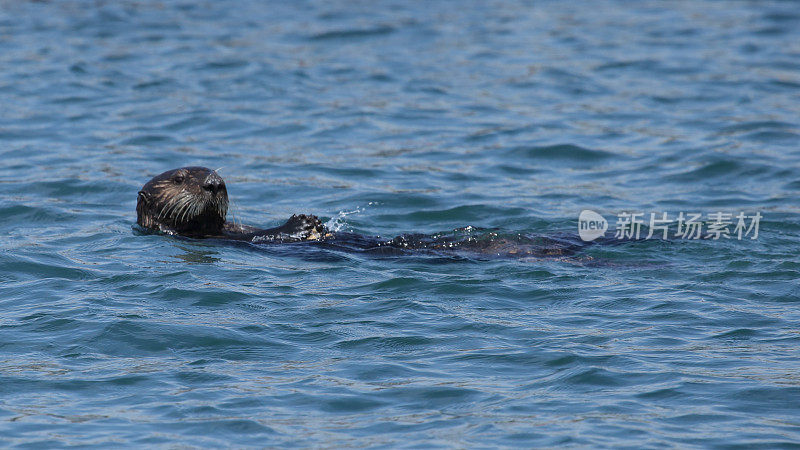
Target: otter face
{"x":190,"y":201}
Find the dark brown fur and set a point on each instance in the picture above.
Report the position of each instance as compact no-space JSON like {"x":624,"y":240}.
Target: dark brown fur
{"x":193,"y":202}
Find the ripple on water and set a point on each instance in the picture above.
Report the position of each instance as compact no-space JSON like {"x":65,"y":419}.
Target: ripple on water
{"x":414,"y":117}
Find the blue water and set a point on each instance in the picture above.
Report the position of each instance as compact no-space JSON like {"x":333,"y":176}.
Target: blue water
{"x":386,"y":118}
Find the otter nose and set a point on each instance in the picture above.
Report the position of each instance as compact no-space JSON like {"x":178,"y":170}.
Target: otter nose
{"x":213,"y":184}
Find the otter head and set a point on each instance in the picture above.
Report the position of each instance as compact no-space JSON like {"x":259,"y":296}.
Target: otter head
{"x":190,"y":201}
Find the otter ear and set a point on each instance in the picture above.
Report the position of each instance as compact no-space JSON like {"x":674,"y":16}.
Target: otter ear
{"x":144,"y":197}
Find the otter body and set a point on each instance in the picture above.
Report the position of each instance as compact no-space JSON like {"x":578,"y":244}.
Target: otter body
{"x":193,"y":202}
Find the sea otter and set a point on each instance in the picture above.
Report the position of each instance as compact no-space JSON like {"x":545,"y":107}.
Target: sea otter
{"x":193,"y":202}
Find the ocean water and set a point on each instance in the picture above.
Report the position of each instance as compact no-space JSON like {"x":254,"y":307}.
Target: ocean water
{"x":386,"y":118}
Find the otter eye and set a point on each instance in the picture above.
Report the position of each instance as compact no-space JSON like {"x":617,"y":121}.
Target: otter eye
{"x":178,"y":179}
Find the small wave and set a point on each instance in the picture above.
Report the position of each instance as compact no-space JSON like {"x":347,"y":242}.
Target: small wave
{"x":149,"y":139}
{"x":713,"y":169}
{"x":772,"y":136}
{"x":224,"y":64}
{"x":353,"y":34}
{"x":745,"y":127}
{"x":561,"y":152}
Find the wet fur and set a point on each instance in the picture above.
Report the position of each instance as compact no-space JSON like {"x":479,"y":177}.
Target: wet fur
{"x":193,"y":202}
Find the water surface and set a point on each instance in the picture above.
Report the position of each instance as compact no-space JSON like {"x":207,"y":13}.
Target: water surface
{"x":386,"y":118}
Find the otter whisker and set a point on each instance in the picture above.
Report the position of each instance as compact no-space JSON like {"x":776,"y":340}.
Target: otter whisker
{"x":183,"y":212}
{"x":170,"y":207}
{"x":173,"y":206}
{"x":197,"y":208}
{"x":233,"y":211}
{"x":222,"y":208}
{"x":192,"y":210}
{"x":163,"y":213}
{"x":180,"y":205}
{"x":171,"y":216}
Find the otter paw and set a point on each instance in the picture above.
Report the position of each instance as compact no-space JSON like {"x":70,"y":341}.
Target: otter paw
{"x":307,"y":225}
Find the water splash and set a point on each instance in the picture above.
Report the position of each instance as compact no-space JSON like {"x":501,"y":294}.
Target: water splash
{"x":338,"y":222}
